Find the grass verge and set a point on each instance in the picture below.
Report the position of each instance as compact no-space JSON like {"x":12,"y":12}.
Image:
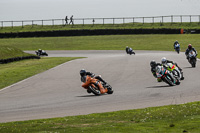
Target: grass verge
{"x":111,"y":42}
{"x":16,"y":71}
{"x":170,"y":119}
{"x":32,"y":28}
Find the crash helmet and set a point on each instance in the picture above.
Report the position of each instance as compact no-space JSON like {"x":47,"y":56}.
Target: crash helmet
{"x":153,"y":63}
{"x":82,"y":72}
{"x":163,"y":60}
{"x":176,"y":41}
{"x":190,"y":46}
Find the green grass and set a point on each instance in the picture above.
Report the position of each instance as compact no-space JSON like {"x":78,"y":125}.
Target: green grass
{"x":111,"y":42}
{"x":28,"y":28}
{"x":16,"y":71}
{"x":11,"y":52}
{"x":165,"y":119}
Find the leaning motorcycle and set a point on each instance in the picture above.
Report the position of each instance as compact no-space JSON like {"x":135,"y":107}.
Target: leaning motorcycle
{"x":93,"y":85}
{"x":131,"y":52}
{"x":166,"y":76}
{"x":41,"y":53}
{"x":177,"y":47}
{"x":192,"y":58}
{"x":175,"y":70}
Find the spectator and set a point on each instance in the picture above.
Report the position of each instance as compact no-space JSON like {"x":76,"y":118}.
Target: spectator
{"x":71,"y":20}
{"x":66,"y":20}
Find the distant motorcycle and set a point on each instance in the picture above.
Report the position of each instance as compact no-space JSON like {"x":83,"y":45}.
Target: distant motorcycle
{"x":131,"y":51}
{"x":41,"y":53}
{"x":166,"y":76}
{"x":93,"y":85}
{"x":192,"y":58}
{"x":177,"y":47}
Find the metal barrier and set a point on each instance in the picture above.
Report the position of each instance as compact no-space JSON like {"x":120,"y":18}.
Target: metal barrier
{"x":126,"y":20}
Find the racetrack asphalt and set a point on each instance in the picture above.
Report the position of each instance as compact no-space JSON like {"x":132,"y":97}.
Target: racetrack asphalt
{"x":58,"y":92}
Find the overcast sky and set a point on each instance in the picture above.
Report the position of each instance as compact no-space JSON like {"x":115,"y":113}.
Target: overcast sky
{"x":58,"y":9}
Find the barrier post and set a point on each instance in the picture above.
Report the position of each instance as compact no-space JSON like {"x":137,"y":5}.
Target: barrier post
{"x":1,"y":24}
{"x":32,"y":23}
{"x":143,"y":20}
{"x":171,"y":19}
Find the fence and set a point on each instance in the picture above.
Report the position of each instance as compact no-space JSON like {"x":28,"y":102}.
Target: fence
{"x":84,"y":21}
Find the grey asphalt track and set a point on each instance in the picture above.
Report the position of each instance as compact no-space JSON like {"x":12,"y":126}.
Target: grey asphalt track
{"x":58,"y":92}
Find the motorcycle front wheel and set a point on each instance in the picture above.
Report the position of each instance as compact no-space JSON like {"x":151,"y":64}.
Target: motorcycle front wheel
{"x":169,"y":80}
{"x":95,"y":90}
{"x":110,"y":90}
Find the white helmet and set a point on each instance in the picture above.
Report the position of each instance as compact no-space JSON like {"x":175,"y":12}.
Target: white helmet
{"x":163,"y":60}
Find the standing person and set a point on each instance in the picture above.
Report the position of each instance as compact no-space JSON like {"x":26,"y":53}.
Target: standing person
{"x":71,"y":20}
{"x":66,"y":20}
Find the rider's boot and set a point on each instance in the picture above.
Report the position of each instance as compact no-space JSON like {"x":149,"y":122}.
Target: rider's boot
{"x":102,"y":90}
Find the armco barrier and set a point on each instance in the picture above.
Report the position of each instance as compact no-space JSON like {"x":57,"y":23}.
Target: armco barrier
{"x":89,"y":32}
{"x":4,"y":61}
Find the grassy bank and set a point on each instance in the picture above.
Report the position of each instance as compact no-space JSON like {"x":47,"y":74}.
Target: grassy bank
{"x":11,"y":52}
{"x":16,"y":71}
{"x":32,"y":28}
{"x":165,"y":119}
{"x":111,"y":42}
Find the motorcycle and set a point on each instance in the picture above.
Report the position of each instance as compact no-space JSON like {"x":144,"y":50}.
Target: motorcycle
{"x":166,"y":76}
{"x":131,"y":51}
{"x":41,"y":53}
{"x":177,"y":47}
{"x":175,"y":70}
{"x":93,"y":85}
{"x":192,"y":58}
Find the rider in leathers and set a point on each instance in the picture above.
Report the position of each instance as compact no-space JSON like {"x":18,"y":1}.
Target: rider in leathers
{"x":176,"y":42}
{"x":188,"y":50}
{"x":165,"y":61}
{"x":153,"y":65}
{"x":83,"y":75}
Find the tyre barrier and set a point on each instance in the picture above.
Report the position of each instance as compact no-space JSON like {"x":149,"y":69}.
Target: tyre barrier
{"x":90,"y":32}
{"x":4,"y":61}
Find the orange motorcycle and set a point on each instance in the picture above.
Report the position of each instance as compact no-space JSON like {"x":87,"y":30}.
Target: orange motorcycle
{"x":96,"y":86}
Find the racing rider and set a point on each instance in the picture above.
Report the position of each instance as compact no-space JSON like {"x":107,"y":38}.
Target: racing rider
{"x":176,"y":42}
{"x":153,"y":65}
{"x":83,"y":75}
{"x":188,"y":50}
{"x":165,"y":61}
